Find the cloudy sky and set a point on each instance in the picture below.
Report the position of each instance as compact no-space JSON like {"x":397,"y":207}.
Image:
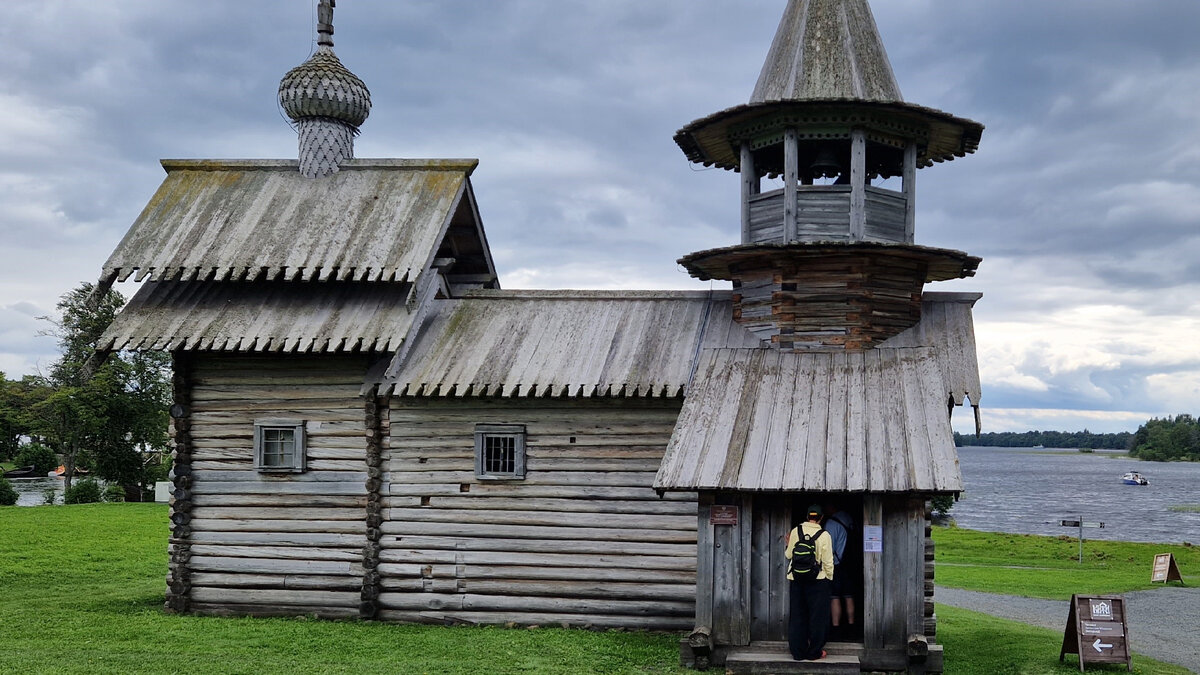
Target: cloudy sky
{"x":1083,"y":200}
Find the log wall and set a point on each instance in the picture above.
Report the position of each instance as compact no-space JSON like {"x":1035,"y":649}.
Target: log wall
{"x":262,"y":543}
{"x":583,"y":540}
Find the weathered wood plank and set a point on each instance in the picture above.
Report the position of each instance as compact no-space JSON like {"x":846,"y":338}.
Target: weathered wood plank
{"x":492,"y":603}
{"x":201,"y":563}
{"x":278,"y":581}
{"x":641,"y":506}
{"x":215,"y":488}
{"x":510,"y":572}
{"x":278,"y":552}
{"x":537,"y":532}
{"x":491,"y":558}
{"x":541,"y":545}
{"x":277,"y":539}
{"x":540,"y":518}
{"x":295,"y":598}
{"x":276,"y":513}
{"x":537,"y":619}
{"x":264,"y":525}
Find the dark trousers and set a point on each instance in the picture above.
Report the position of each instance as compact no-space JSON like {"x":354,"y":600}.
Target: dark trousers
{"x":808,"y":603}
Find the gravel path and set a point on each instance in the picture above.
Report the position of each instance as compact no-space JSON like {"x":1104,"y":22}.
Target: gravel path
{"x":1162,"y":622}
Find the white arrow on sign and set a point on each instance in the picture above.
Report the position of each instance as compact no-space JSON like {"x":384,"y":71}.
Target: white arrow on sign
{"x":1100,"y":646}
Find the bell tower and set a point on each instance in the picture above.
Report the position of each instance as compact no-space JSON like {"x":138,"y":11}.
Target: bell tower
{"x":828,"y":259}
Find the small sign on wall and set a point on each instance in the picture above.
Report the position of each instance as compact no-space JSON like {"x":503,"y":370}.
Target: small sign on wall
{"x":721,"y":514}
{"x":872,"y":539}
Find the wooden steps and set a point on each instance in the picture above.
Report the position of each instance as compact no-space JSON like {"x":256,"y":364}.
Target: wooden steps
{"x":763,"y":658}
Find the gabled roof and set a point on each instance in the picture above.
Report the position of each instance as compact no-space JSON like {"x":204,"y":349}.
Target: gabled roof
{"x":276,"y":316}
{"x":564,"y":343}
{"x":761,"y":419}
{"x":827,"y":49}
{"x":375,"y":220}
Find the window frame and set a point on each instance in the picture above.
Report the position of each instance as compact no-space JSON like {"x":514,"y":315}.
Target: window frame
{"x":517,"y":433}
{"x":299,"y":449}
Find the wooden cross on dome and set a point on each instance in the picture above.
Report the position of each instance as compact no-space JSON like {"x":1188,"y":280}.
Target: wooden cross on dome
{"x":325,"y":22}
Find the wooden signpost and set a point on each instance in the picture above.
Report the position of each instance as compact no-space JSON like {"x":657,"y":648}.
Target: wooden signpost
{"x":1097,"y":631}
{"x":1080,"y":524}
{"x":1165,"y":569}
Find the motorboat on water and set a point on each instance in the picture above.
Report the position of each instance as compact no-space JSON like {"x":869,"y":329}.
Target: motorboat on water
{"x":1134,"y":478}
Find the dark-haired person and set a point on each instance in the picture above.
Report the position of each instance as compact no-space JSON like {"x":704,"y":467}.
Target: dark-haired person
{"x":808,"y":598}
{"x":838,"y":524}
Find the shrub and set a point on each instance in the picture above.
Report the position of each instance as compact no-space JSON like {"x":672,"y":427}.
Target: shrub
{"x":39,"y":456}
{"x":8,"y":496}
{"x":942,"y":504}
{"x":114,"y":493}
{"x":86,"y":491}
{"x":49,"y":496}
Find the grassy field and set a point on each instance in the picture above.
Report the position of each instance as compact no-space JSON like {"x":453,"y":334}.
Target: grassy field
{"x":81,"y":591}
{"x":1048,"y":567}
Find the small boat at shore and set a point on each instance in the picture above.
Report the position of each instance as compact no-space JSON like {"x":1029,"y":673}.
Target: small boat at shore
{"x":62,"y":470}
{"x":1134,"y":478}
{"x":22,"y":472}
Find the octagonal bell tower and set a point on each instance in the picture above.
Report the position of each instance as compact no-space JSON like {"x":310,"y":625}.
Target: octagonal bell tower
{"x":828,"y":260}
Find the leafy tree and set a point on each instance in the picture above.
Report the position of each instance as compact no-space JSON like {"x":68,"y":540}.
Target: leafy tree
{"x":1049,"y":439}
{"x":1173,"y":438}
{"x":942,"y":504}
{"x":38,"y":456}
{"x":8,"y":495}
{"x":103,"y":415}
{"x":16,"y":397}
{"x":113,"y":493}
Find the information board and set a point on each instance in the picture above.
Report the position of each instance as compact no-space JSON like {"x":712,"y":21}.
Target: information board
{"x":1097,"y":631}
{"x":872,"y":539}
{"x":1165,"y":569}
{"x":723,"y":515}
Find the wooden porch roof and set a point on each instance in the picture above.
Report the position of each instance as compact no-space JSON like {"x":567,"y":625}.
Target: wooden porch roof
{"x":765,"y":420}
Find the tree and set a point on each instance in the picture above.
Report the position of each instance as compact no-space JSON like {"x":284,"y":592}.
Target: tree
{"x":105,"y":415}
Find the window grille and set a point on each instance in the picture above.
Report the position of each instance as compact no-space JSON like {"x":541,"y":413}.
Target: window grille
{"x":499,"y":451}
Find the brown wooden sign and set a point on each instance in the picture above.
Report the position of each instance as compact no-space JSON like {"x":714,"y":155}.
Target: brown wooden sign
{"x":1165,"y":569}
{"x":1097,"y":631}
{"x":723,"y":515}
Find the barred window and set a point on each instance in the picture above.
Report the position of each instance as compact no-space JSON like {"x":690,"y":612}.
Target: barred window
{"x":499,"y":451}
{"x":279,"y":446}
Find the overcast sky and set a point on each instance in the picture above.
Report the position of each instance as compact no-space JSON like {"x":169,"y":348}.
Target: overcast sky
{"x":1083,"y":200}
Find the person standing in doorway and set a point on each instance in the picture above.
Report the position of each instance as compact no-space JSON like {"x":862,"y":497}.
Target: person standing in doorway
{"x":838,"y":524}
{"x":810,"y":573}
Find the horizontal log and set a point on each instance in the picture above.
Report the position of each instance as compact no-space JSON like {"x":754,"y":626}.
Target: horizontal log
{"x":627,"y":547}
{"x":279,"y":552}
{"x":276,"y":500}
{"x":301,"y":392}
{"x":280,"y":487}
{"x":520,"y":489}
{"x":281,"y":581}
{"x":537,"y":532}
{"x":583,"y":589}
{"x":611,"y":478}
{"x":556,"y":450}
{"x":246,"y":463}
{"x":492,"y":558}
{"x":467,"y":501}
{"x":313,"y":539}
{"x":255,"y":596}
{"x":547,"y":518}
{"x":233,"y":609}
{"x":491,"y":603}
{"x":236,"y":416}
{"x":536,"y":572}
{"x":200,"y":563}
{"x":441,"y":617}
{"x":277,"y":513}
{"x":280,"y":479}
{"x":263,"y":525}
{"x":466,"y":462}
{"x":281,"y":407}
{"x":416,"y":584}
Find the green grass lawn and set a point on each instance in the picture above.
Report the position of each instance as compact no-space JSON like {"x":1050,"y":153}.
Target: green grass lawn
{"x":1048,"y":567}
{"x":81,"y":590}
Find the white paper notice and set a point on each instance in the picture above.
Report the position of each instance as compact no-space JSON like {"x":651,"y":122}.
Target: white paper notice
{"x":872,"y":539}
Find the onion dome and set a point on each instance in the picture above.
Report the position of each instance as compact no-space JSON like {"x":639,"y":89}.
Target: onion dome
{"x":323,"y":87}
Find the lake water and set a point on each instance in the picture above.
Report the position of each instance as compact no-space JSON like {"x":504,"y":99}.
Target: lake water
{"x":30,"y":490}
{"x":1029,"y":490}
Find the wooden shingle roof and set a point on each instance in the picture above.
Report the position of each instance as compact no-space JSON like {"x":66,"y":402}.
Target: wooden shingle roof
{"x":374,"y":220}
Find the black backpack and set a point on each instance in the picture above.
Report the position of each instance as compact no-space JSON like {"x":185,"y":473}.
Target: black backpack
{"x":804,"y":555}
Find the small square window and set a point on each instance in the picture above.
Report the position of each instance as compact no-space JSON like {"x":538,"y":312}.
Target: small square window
{"x":499,"y":451}
{"x":279,"y":446}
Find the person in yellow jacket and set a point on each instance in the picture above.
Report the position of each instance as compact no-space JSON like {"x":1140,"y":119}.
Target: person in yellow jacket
{"x":808,"y":597}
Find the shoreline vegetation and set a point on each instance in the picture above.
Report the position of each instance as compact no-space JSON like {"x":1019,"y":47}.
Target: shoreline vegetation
{"x":81,"y":590}
{"x":1169,"y":439}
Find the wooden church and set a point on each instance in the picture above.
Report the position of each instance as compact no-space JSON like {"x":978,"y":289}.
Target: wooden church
{"x":366,"y":425}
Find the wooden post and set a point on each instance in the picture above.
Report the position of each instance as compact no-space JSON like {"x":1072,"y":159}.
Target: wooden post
{"x":704,"y":562}
{"x":858,"y":184}
{"x":873,"y":590}
{"x":910,"y":192}
{"x":791,"y":176}
{"x":750,"y":187}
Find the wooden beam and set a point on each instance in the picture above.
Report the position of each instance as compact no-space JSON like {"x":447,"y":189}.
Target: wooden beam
{"x":910,"y":192}
{"x":873,"y":578}
{"x":750,"y":187}
{"x":791,"y":175}
{"x":858,"y":184}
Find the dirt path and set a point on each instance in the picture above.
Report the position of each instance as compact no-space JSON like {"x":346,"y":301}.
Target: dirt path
{"x":1162,"y":622}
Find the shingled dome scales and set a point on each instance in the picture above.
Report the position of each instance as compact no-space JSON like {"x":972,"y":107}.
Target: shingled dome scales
{"x":326,"y":101}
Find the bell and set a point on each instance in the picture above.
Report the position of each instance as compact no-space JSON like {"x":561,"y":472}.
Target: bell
{"x":825,"y":165}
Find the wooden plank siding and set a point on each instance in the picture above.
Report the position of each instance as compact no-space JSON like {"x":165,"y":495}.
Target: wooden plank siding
{"x":583,"y":540}
{"x":823,"y":214}
{"x":268,"y":544}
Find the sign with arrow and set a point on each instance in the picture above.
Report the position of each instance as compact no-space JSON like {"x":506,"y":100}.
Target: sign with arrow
{"x":1096,"y":631}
